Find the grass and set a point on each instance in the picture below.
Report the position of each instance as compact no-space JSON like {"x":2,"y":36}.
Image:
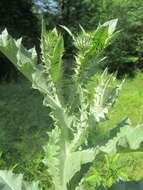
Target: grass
{"x":130,"y":102}
{"x":129,"y":105}
{"x":24,"y":122}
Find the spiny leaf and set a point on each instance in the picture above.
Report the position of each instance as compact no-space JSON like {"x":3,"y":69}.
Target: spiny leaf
{"x":23,"y":59}
{"x":67,"y":148}
{"x":125,"y":138}
{"x":11,"y":181}
{"x":112,"y":26}
{"x":56,"y":70}
{"x":52,"y":47}
{"x":99,"y":40}
{"x":51,"y":155}
{"x":90,"y":47}
{"x":62,"y":174}
{"x":103,"y":97}
{"x":68,"y":30}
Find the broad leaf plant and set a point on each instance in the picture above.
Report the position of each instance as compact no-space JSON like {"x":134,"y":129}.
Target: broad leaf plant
{"x":76,"y":109}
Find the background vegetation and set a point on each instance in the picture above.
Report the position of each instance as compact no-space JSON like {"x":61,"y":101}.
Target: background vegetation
{"x":125,"y":55}
{"x":23,"y":118}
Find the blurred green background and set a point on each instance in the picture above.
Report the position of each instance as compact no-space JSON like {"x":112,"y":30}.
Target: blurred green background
{"x":23,"y":119}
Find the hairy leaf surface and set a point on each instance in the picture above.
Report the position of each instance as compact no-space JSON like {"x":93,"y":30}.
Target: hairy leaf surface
{"x":11,"y":181}
{"x":23,"y":59}
{"x":124,"y":138}
{"x":74,"y":112}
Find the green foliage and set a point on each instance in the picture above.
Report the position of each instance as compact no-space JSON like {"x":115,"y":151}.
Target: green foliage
{"x":128,"y":45}
{"x":18,"y":105}
{"x":132,"y":185}
{"x":125,"y":54}
{"x":68,"y":147}
{"x":108,"y":176}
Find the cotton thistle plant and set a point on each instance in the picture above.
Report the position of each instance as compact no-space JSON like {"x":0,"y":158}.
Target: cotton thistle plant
{"x":75,"y":109}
